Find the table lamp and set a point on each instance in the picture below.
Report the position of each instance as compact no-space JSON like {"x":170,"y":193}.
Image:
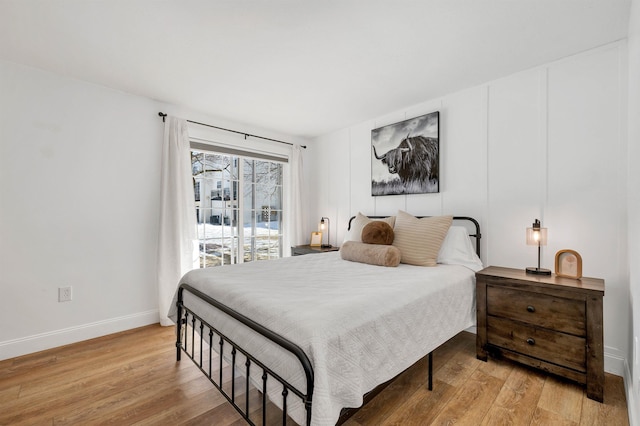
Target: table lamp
{"x":322,"y":223}
{"x":537,"y":236}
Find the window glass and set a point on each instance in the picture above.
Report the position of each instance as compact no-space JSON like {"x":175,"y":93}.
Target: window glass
{"x":235,"y":228}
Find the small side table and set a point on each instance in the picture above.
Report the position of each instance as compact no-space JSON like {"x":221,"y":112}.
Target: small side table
{"x":307,"y":249}
{"x":547,"y":322}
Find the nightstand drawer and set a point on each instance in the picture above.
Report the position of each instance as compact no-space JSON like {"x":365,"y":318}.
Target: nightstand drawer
{"x":554,"y":313}
{"x":561,"y":349}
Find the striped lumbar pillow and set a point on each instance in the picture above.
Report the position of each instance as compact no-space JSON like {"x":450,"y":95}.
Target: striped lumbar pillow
{"x":419,"y":240}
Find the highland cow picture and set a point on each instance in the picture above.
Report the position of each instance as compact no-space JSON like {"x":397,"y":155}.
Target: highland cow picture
{"x":405,"y":157}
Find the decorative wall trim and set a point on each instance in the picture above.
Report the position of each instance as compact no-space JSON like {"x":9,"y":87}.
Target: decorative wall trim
{"x":52,"y":339}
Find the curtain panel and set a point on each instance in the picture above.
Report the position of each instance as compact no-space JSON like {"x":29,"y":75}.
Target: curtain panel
{"x":177,"y":239}
{"x":296,"y":235}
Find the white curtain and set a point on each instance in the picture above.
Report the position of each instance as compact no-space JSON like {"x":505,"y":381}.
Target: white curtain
{"x":296,"y":214}
{"x":177,"y":240}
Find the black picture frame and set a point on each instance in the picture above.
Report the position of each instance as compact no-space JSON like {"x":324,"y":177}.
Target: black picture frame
{"x":410,"y":163}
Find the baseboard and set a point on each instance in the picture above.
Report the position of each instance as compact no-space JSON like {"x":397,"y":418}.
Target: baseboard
{"x":634,"y":411}
{"x":53,"y":339}
{"x":633,"y":403}
{"x":614,"y":361}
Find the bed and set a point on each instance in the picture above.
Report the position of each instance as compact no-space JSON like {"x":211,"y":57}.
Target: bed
{"x":314,"y":334}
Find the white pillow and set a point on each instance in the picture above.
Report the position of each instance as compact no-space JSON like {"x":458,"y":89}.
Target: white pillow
{"x":360,"y":221}
{"x":457,"y":249}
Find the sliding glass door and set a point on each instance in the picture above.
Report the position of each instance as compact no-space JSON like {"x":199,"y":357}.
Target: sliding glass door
{"x":262,"y":209}
{"x":238,"y":207}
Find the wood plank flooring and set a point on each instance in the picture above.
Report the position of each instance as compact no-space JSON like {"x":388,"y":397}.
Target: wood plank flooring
{"x":132,"y":378}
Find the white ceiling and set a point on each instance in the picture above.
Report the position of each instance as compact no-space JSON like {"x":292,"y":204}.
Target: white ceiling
{"x":300,"y":67}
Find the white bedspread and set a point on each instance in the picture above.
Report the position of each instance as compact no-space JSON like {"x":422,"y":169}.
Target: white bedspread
{"x":360,"y":325}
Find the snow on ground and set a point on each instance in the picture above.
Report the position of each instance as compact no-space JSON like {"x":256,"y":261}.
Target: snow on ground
{"x":218,"y":243}
{"x":263,"y":229}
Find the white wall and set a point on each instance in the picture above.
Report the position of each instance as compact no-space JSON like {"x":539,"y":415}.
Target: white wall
{"x":79,"y":166}
{"x":548,"y":143}
{"x":633,"y":353}
{"x":79,"y":197}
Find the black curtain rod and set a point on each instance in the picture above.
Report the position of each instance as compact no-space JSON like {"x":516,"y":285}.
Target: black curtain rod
{"x":163,"y":115}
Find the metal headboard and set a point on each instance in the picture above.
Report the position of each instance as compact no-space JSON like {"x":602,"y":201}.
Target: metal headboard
{"x":475,"y":223}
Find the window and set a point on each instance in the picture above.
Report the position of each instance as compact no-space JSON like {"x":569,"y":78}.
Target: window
{"x":238,"y":207}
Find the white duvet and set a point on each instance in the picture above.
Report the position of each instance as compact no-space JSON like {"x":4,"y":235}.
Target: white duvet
{"x":360,"y":325}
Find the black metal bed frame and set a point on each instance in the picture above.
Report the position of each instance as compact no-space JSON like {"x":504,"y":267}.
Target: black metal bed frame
{"x":186,"y":315}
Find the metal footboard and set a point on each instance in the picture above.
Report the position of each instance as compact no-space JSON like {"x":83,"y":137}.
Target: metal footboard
{"x":186,"y":341}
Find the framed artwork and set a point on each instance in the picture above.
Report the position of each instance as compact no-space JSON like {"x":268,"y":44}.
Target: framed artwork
{"x":569,"y":264}
{"x":316,"y":239}
{"x":405,"y":157}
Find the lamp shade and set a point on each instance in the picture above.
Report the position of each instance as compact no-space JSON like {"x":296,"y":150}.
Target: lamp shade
{"x":536,"y":235}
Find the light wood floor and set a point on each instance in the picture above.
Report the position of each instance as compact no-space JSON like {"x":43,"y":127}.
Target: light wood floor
{"x":132,"y":378}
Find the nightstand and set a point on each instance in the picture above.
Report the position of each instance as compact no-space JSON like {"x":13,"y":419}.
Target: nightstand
{"x":307,"y":249}
{"x":547,"y":322}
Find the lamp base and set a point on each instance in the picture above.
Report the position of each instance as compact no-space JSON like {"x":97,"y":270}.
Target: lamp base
{"x":326,"y":246}
{"x":538,"y":271}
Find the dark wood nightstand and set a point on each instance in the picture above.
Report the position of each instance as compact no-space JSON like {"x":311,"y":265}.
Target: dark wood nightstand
{"x":307,"y":249}
{"x":547,"y":322}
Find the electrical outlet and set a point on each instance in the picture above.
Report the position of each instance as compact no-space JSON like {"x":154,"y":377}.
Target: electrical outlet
{"x":64,"y":294}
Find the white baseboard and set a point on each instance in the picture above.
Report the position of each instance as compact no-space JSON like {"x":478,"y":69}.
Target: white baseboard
{"x":633,"y":403}
{"x":53,"y":339}
{"x":614,"y":361}
{"x":634,"y":410}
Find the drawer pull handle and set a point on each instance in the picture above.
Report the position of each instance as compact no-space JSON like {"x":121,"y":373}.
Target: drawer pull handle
{"x":531,"y":308}
{"x":531,"y":341}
